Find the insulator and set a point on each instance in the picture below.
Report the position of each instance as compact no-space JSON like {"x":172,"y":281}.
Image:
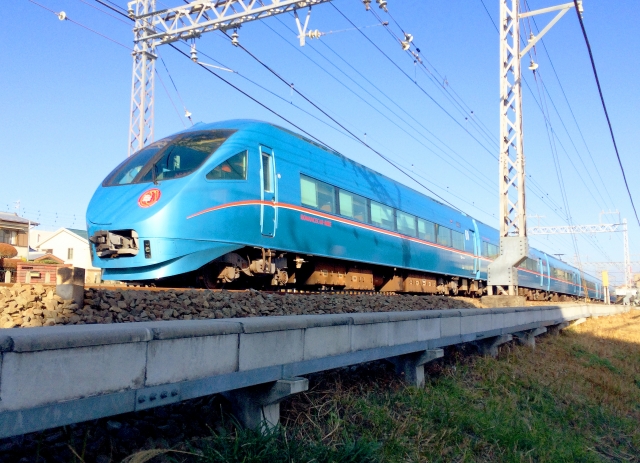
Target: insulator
{"x":408,"y":37}
{"x":367,"y":4}
{"x":405,"y":45}
{"x":382,"y":4}
{"x":130,"y":12}
{"x":314,"y":34}
{"x":62,"y":16}
{"x":531,"y":37}
{"x":194,"y":53}
{"x":234,"y":39}
{"x":533,"y":66}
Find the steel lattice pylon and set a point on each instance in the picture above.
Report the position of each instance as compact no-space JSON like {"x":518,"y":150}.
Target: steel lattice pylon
{"x":143,"y":81}
{"x":589,"y":229}
{"x":512,"y":178}
{"x":514,"y":245}
{"x":154,"y":28}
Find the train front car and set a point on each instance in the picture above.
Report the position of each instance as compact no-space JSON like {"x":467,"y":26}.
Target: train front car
{"x":138,"y":218}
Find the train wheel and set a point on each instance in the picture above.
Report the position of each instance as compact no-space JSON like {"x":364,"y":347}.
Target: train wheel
{"x":213,"y":276}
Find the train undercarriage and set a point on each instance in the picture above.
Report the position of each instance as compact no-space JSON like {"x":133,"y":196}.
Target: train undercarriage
{"x":261,"y":268}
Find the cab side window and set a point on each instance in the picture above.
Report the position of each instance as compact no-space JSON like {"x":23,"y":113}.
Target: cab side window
{"x":234,"y":168}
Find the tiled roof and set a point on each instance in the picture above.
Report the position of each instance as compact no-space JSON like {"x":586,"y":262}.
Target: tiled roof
{"x":81,"y":233}
{"x":13,"y":217}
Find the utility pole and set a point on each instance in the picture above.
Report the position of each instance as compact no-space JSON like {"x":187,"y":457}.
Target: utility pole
{"x":153,"y":28}
{"x":514,"y":244}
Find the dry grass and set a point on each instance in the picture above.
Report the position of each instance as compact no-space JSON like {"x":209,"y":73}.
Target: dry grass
{"x":576,"y":397}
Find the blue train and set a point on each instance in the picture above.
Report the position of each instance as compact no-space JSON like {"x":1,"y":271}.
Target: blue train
{"x":247,"y":202}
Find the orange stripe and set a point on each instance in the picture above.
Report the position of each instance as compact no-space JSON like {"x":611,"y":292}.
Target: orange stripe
{"x":257,"y":202}
{"x":334,"y":218}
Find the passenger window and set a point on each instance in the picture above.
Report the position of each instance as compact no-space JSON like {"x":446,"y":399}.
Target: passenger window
{"x":444,"y":236}
{"x":426,"y":230}
{"x":382,"y":216}
{"x":317,"y":194}
{"x":234,"y":168}
{"x":494,"y":251}
{"x":353,"y":206}
{"x":406,"y":223}
{"x":457,"y":239}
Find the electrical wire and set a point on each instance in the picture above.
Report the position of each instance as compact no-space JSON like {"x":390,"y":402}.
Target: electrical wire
{"x":382,"y":156}
{"x":566,"y":99}
{"x":444,"y":159}
{"x":604,"y":107}
{"x":415,"y":83}
{"x":81,"y":25}
{"x":391,"y":100}
{"x":102,"y":11}
{"x":170,"y":99}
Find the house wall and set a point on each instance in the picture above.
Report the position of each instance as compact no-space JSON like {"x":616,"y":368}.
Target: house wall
{"x":15,"y":234}
{"x":38,"y":236}
{"x":60,"y":245}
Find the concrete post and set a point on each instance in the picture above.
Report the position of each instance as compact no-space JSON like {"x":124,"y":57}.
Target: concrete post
{"x":70,"y":284}
{"x":528,"y":337}
{"x":554,"y":330}
{"x":258,"y":407}
{"x":412,"y":365}
{"x":490,"y":346}
{"x":7,"y":276}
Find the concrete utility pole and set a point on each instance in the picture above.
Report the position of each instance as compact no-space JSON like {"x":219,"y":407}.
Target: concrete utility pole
{"x":153,"y":28}
{"x":514,"y":245}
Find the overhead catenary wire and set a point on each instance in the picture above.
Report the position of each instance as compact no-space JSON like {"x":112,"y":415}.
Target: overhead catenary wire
{"x":64,"y":17}
{"x":415,"y":83}
{"x":604,"y":107}
{"x":440,"y":84}
{"x":566,"y":99}
{"x":391,"y":100}
{"x":382,"y":156}
{"x":399,"y":116}
{"x":170,"y":99}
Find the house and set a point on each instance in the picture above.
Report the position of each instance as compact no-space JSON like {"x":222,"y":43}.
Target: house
{"x":14,"y":230}
{"x":72,"y":247}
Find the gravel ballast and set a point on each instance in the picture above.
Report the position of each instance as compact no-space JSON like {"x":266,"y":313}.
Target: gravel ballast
{"x":37,"y":305}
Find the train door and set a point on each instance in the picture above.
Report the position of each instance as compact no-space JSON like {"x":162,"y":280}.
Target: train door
{"x":548,"y":273}
{"x":269,"y":192}
{"x":477,"y":249}
{"x":541,"y":272}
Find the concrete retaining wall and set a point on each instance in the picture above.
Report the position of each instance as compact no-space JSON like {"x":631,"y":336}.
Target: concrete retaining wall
{"x":60,"y":375}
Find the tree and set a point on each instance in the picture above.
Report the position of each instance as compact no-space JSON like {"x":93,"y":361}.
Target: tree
{"x":8,"y":251}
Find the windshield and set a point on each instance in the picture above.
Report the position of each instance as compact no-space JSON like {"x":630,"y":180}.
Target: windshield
{"x":172,"y":157}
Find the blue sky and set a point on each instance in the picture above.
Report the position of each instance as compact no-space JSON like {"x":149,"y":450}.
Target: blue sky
{"x":65,"y":94}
